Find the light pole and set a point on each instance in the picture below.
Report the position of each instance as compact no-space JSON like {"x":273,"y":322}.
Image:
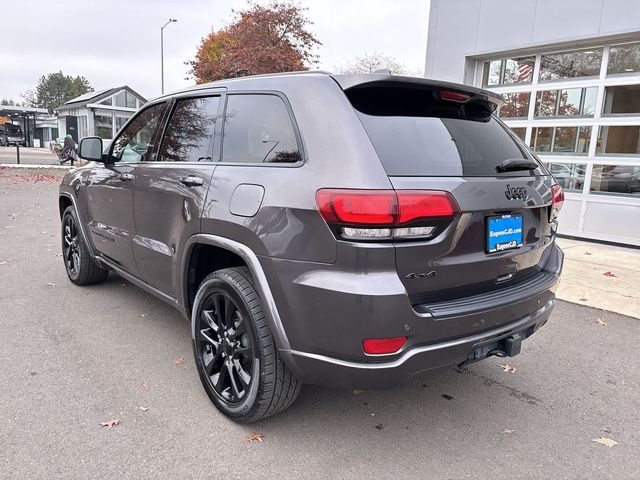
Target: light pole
{"x":171,"y":20}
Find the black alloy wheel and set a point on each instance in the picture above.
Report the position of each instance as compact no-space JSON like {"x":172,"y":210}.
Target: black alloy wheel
{"x":235,"y":353}
{"x":226,"y":347}
{"x":71,"y":251}
{"x":81,"y":268}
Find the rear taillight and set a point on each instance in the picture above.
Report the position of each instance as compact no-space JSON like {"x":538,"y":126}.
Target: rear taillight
{"x":382,"y":346}
{"x":557,"y":199}
{"x":385,"y":214}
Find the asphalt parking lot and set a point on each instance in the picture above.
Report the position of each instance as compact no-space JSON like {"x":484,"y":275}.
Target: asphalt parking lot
{"x":75,"y":357}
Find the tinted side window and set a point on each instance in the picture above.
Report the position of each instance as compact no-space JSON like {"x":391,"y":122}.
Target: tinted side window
{"x":190,"y":130}
{"x":258,"y":129}
{"x":135,"y":143}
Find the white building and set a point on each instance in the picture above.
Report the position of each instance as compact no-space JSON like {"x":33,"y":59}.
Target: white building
{"x":99,"y":114}
{"x":570,"y":71}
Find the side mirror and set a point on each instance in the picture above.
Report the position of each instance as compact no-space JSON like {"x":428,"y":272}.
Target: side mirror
{"x":91,"y":149}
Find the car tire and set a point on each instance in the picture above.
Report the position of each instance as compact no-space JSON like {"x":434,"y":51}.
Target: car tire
{"x":235,"y":353}
{"x":81,"y":268}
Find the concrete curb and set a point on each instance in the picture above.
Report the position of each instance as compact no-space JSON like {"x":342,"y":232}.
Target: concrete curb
{"x":38,"y":167}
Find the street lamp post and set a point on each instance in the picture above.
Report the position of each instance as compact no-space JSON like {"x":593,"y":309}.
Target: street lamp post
{"x":171,"y":20}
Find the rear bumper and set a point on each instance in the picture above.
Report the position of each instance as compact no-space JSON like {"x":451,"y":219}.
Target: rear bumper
{"x":328,"y":371}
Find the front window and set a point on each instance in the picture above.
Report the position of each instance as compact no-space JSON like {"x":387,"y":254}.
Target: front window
{"x":567,"y":102}
{"x":624,"y":139}
{"x":579,"y":63}
{"x":624,"y":59}
{"x":104,"y":126}
{"x":516,"y":105}
{"x":136,"y":142}
{"x":621,"y":180}
{"x":567,"y":140}
{"x":569,"y":175}
{"x":190,"y":131}
{"x":622,"y":100}
{"x":508,"y":71}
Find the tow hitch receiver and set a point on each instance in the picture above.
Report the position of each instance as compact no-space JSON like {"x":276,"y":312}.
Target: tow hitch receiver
{"x":508,"y":346}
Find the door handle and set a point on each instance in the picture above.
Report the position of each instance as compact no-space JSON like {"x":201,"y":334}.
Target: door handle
{"x":191,"y":181}
{"x":125,"y":177}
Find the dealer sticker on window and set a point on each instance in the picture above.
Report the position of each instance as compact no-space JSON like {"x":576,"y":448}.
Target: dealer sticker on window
{"x":504,"y":233}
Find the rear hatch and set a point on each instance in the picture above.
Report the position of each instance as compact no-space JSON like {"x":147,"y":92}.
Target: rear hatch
{"x":443,"y":137}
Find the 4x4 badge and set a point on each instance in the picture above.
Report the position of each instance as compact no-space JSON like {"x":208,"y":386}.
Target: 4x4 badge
{"x":515,"y":192}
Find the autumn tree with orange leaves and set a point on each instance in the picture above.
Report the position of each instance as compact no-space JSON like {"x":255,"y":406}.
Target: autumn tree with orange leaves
{"x":261,"y":39}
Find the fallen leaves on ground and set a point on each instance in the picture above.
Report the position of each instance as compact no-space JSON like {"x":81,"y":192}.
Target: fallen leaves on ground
{"x":143,"y":409}
{"x":605,"y":441}
{"x":609,"y":274}
{"x":50,"y":284}
{"x":358,"y":392}
{"x":508,"y":430}
{"x":601,"y":322}
{"x":110,"y":424}
{"x":255,"y":437}
{"x":508,"y":368}
{"x":4,"y":263}
{"x":36,"y":177}
{"x":179,"y":360}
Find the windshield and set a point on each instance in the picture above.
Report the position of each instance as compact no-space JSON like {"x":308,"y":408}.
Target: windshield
{"x":13,"y":129}
{"x":416,"y":134}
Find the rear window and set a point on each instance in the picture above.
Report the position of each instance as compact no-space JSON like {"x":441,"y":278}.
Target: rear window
{"x":417,"y":134}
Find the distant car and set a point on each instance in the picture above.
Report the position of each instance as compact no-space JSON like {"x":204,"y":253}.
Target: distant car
{"x":342,"y":230}
{"x":11,"y":134}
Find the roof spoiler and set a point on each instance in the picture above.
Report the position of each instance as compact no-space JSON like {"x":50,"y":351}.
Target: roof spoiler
{"x":454,"y":92}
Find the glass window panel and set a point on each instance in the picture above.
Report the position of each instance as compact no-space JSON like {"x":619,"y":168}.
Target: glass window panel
{"x":546,"y":103}
{"x":564,"y":139}
{"x":584,"y":138}
{"x":120,"y":100}
{"x":579,"y":63}
{"x":136,"y":141}
{"x":104,"y":126}
{"x":619,"y":140}
{"x":624,"y":59}
{"x":622,"y":100}
{"x":130,"y":100}
{"x":569,"y":102}
{"x":622,"y":180}
{"x":190,"y":131}
{"x":569,"y":175}
{"x":520,"y":131}
{"x":516,"y":105}
{"x":120,"y":121}
{"x":106,"y":102}
{"x":258,"y":129}
{"x":491,"y":73}
{"x":589,"y":104}
{"x":518,"y":70}
{"x":541,"y":139}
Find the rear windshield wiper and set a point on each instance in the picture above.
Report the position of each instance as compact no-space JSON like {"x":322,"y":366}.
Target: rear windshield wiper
{"x":513,"y":164}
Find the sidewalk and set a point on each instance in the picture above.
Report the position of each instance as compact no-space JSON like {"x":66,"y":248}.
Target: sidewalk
{"x":28,"y":156}
{"x":601,"y":276}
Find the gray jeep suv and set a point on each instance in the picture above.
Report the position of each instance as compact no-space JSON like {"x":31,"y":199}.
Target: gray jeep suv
{"x":346,"y":231}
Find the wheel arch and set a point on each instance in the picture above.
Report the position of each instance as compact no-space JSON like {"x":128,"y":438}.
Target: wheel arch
{"x":210,"y":252}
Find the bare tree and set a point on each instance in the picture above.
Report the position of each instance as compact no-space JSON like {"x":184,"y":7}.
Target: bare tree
{"x":370,"y":62}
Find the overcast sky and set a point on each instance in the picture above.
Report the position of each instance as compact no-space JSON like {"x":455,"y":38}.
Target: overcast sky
{"x":117,"y":42}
